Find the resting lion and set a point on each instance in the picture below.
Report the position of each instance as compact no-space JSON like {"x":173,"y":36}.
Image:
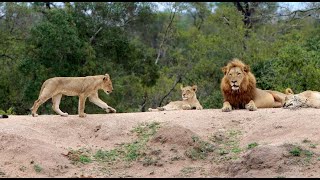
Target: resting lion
{"x":189,"y":101}
{"x":74,"y":86}
{"x":306,"y":99}
{"x":239,"y":90}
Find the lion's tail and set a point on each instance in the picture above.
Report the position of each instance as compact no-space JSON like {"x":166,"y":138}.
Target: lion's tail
{"x":288,"y":91}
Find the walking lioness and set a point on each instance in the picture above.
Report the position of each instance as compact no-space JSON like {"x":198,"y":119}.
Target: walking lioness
{"x":74,"y":86}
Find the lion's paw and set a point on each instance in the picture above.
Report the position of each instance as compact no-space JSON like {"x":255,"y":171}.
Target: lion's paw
{"x":160,"y":108}
{"x":64,"y":114}
{"x":226,"y":108}
{"x":82,"y":115}
{"x":35,"y":115}
{"x":199,"y":108}
{"x":251,"y":106}
{"x":110,"y":110}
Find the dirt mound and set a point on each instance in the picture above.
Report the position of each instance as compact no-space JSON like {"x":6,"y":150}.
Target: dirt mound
{"x":270,"y":158}
{"x":174,"y":135}
{"x":207,"y":143}
{"x":29,"y":154}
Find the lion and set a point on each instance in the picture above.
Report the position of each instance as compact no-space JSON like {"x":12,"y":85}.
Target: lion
{"x":74,"y":86}
{"x":306,"y":99}
{"x":189,"y":101}
{"x":239,"y":90}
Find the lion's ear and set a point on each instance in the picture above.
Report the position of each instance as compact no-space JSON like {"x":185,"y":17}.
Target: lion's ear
{"x":106,"y":77}
{"x":246,"y":68}
{"x":224,"y":70}
{"x":181,"y":86}
{"x":194,"y":88}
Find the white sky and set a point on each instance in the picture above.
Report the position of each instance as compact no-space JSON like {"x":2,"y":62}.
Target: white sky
{"x":292,"y":5}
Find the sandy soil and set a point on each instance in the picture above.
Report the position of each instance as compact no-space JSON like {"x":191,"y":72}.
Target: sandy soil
{"x":263,"y":143}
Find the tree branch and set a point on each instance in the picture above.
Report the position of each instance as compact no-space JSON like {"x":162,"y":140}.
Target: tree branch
{"x":95,"y":34}
{"x":302,"y":11}
{"x":239,"y":7}
{"x":145,"y":98}
{"x":172,"y":15}
{"x":7,"y":56}
{"x":174,"y":85}
{"x":227,"y":20}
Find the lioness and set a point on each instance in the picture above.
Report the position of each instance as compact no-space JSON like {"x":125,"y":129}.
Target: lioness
{"x":74,"y":86}
{"x":239,"y":90}
{"x":189,"y":101}
{"x":306,"y":99}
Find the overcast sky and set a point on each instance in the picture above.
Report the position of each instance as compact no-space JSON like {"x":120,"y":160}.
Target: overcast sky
{"x":292,"y":5}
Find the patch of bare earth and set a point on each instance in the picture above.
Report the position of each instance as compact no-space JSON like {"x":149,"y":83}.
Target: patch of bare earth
{"x":190,"y":143}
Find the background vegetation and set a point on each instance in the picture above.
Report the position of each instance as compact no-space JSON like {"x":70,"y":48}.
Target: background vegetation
{"x":149,"y":53}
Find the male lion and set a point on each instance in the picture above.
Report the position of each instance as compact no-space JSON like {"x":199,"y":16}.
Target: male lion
{"x":74,"y":86}
{"x":305,"y":99}
{"x":189,"y":101}
{"x":239,"y":90}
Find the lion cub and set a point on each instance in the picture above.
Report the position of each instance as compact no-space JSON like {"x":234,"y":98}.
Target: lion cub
{"x":189,"y":101}
{"x":74,"y":86}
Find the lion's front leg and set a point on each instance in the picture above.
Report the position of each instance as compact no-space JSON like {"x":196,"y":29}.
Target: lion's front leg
{"x":226,"y":107}
{"x":186,"y":107}
{"x":199,"y":107}
{"x":82,"y":101}
{"x":55,"y":105}
{"x":97,"y":101}
{"x":251,"y":106}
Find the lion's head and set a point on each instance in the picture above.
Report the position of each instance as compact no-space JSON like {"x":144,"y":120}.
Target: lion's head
{"x":188,"y":92}
{"x":238,"y":85}
{"x":294,"y":101}
{"x":107,"y":84}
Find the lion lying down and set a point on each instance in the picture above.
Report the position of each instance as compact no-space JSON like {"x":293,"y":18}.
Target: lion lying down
{"x":306,"y":99}
{"x":239,"y":90}
{"x":74,"y":86}
{"x":189,"y":101}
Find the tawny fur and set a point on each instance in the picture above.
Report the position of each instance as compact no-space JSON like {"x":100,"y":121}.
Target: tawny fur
{"x":84,"y":87}
{"x":239,"y":90}
{"x":189,"y":101}
{"x":306,"y":99}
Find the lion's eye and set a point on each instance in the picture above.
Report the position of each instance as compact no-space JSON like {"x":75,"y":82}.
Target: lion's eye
{"x":238,"y":74}
{"x":230,"y":74}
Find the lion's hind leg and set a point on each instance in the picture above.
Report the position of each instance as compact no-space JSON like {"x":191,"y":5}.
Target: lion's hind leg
{"x":37,"y":104}
{"x":55,"y":105}
{"x":277,"y":104}
{"x":278,"y":101}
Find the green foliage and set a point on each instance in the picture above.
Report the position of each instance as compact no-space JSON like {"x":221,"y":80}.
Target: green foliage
{"x":80,"y":156}
{"x":37,"y":168}
{"x":106,"y":156}
{"x":252,"y":145}
{"x":8,"y":112}
{"x":125,"y":152}
{"x":124,"y":39}
{"x":200,"y":150}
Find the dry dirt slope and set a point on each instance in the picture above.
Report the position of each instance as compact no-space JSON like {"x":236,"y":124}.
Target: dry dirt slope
{"x":205,"y":143}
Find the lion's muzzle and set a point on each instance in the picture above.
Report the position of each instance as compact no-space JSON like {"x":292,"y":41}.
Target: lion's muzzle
{"x":234,"y":85}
